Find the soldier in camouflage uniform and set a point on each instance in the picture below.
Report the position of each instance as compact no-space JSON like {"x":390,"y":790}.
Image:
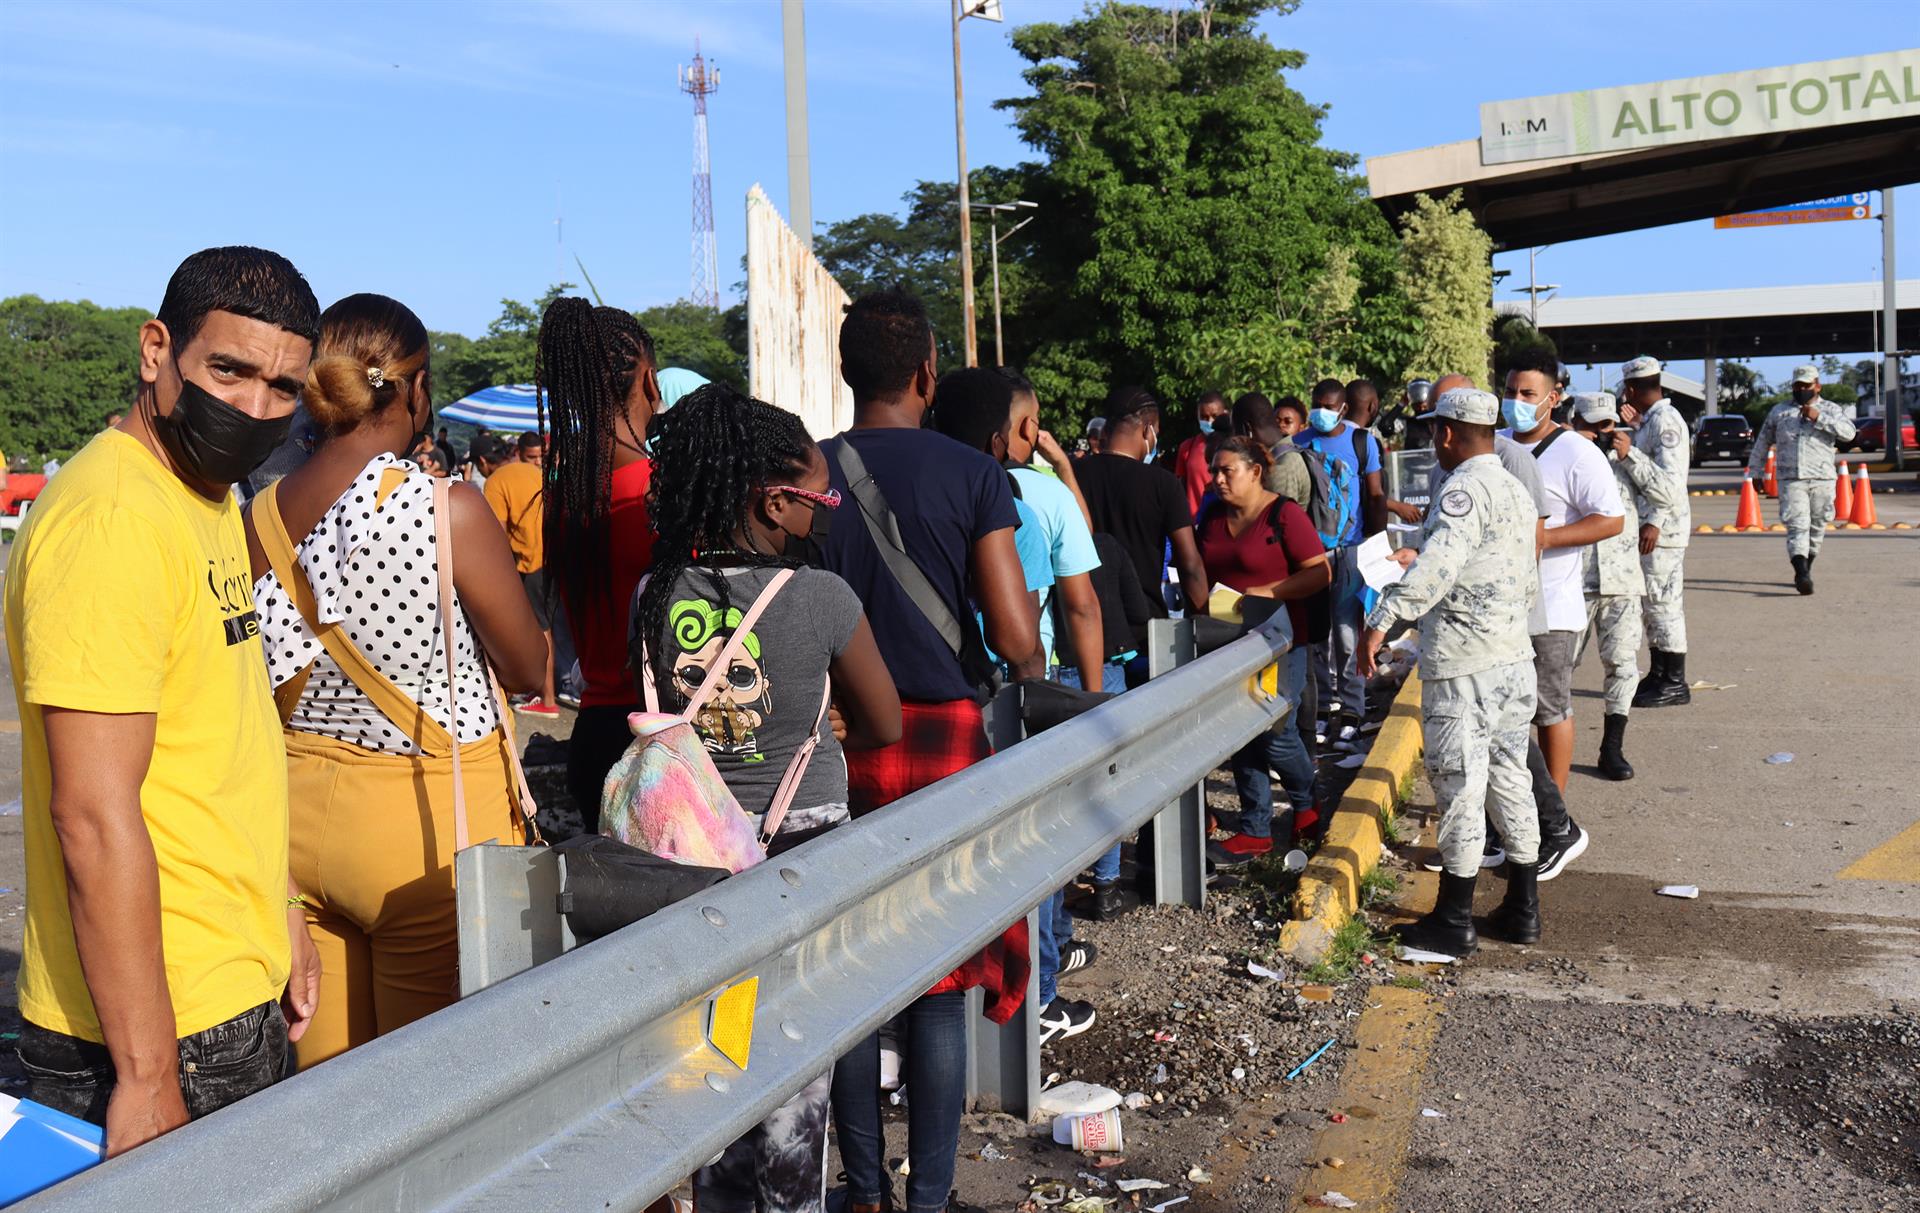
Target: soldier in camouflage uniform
{"x":1471,"y":587}
{"x":1615,"y":581}
{"x":1661,"y":434}
{"x":1806,"y":434}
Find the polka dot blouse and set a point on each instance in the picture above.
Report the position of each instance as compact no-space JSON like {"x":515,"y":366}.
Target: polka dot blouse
{"x":376,"y":572}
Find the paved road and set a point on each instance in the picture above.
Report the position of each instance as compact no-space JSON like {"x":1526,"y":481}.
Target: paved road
{"x":1757,"y":1045}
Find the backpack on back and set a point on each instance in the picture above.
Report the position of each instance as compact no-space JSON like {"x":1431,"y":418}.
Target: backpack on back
{"x":666,"y":797}
{"x":1328,"y":505}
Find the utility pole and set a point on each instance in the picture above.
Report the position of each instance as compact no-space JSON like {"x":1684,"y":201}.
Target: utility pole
{"x":793,"y":41}
{"x":994,"y":237}
{"x":700,"y":81}
{"x":1890,"y":341}
{"x":988,"y":10}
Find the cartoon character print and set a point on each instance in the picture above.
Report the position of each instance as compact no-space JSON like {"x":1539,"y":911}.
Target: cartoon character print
{"x":729,"y":721}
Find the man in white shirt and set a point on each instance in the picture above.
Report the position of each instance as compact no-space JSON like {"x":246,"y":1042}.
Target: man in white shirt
{"x":1584,"y":507}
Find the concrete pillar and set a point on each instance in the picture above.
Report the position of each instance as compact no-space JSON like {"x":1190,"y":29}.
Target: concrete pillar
{"x":1711,"y":378}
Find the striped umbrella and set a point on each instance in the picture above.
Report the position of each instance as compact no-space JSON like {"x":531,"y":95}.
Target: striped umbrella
{"x":510,"y":409}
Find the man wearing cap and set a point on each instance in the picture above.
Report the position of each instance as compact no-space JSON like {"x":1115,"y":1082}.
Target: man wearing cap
{"x":1471,"y":588}
{"x":1805,"y":433}
{"x":1615,"y":583}
{"x":1661,"y":433}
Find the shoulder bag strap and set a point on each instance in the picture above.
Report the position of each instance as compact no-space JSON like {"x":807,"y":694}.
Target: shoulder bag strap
{"x":1540,"y":448}
{"x":796,"y":770}
{"x":885,"y":530}
{"x":396,"y":705}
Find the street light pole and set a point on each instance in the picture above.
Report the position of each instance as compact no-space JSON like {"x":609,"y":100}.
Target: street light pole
{"x":994,"y":237}
{"x":966,"y":211}
{"x":1890,"y":344}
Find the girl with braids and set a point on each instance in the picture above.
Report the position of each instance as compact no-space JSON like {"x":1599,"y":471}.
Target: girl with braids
{"x":737,"y":488}
{"x":346,"y":558}
{"x":595,"y":369}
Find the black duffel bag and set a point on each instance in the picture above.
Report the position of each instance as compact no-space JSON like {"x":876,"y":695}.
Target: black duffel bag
{"x":609,"y":885}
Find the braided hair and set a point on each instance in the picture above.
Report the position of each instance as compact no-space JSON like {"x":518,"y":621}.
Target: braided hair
{"x":583,"y":371}
{"x":711,"y":455}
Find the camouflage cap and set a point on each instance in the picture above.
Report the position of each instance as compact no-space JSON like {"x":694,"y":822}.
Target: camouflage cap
{"x":1469,"y":404}
{"x":1646,"y":366}
{"x":1806,"y":372}
{"x":1595,"y":406}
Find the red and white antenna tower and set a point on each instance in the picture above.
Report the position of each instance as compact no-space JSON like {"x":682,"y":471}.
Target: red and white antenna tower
{"x":700,"y":80}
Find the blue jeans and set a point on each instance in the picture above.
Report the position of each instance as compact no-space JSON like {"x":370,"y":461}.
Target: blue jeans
{"x":1281,"y":749}
{"x":934,"y":1070}
{"x":1106,"y":869}
{"x":1056,"y":929}
{"x":1340,"y":685}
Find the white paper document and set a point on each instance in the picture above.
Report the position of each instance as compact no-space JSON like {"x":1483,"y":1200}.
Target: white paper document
{"x":1377,"y":566}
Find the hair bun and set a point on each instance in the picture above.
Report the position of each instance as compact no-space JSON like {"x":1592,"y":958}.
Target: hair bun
{"x":340,"y":391}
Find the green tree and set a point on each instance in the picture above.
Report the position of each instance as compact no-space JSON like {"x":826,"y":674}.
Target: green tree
{"x":63,"y":368}
{"x":1513,"y":336}
{"x":1446,"y":272}
{"x":688,"y":335}
{"x":1192,"y":232}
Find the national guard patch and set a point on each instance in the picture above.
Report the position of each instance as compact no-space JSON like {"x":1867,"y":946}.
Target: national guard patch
{"x":1670,"y":437}
{"x":1456,"y":504}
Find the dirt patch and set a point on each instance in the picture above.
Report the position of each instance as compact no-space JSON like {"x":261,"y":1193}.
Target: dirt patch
{"x":1852,"y":1086}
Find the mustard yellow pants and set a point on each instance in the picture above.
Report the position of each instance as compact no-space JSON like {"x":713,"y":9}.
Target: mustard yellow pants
{"x":371,"y":848}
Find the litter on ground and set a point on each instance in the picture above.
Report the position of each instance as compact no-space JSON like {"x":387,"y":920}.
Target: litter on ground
{"x":1687,"y":891}
{"x":1780,"y":759}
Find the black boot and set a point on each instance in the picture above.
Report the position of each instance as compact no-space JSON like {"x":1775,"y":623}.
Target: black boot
{"x":1449,"y":929}
{"x":1803,"y":574}
{"x":1670,"y":689}
{"x":1517,"y":920}
{"x":1108,"y":902}
{"x":1650,"y":683}
{"x":1613,"y":764}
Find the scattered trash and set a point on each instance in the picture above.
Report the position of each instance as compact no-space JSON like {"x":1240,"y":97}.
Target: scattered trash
{"x":1135,"y":1101}
{"x":1316,"y":993}
{"x":1166,"y":1038}
{"x":1687,"y":891}
{"x":1367,"y":958}
{"x":1336,"y":1162}
{"x":1076,"y":1099}
{"x":12,"y":807}
{"x":1338,"y":1118}
{"x":1256,"y":969}
{"x":1169,"y":947}
{"x":1140,"y":1185}
{"x":1295,"y":861}
{"x":993,"y":1153}
{"x":1704,"y":685}
{"x":1164,"y":1205}
{"x":1239,"y":1073}
{"x":1086,"y":1204}
{"x":1160,"y":1073}
{"x":1199,"y":1175}
{"x":1097,"y":1134}
{"x":1332,"y":1200}
{"x":1423,"y":957}
{"x":1780,"y":759}
{"x":1093,"y":1179}
{"x":1253,"y":1050}
{"x":1110,"y":1160}
{"x":1048,"y":1193}
{"x":1433,"y":1114}
{"x":1295,"y":1072}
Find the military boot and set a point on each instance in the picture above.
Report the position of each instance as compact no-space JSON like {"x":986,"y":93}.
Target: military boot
{"x":1449,"y":928}
{"x":1803,"y":574}
{"x":1517,"y":920}
{"x":1650,"y":682}
{"x":1613,"y":764}
{"x":1671,"y":690}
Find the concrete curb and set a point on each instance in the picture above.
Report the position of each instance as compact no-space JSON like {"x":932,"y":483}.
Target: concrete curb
{"x":1329,"y":890}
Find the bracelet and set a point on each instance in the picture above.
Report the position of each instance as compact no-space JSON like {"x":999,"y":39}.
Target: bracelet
{"x":298,"y":899}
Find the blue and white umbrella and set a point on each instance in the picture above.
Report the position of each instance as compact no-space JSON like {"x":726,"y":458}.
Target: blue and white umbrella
{"x":510,"y":409}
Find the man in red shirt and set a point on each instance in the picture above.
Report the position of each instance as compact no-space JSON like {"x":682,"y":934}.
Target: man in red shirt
{"x":1190,"y":462}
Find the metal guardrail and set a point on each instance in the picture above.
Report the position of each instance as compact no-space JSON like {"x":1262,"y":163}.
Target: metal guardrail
{"x":588,"y":1082}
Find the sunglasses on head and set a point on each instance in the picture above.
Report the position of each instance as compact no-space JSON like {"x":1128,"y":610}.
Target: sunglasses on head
{"x":829,"y":499}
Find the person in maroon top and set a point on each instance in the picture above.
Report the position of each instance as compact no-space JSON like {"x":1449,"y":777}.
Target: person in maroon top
{"x":596,"y":370}
{"x":1264,"y":546}
{"x":1190,"y":462}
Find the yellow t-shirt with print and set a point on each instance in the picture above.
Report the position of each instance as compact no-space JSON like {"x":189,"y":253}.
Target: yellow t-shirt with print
{"x":127,"y":592}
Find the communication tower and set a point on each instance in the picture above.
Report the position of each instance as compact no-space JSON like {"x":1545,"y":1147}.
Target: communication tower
{"x":700,"y":80}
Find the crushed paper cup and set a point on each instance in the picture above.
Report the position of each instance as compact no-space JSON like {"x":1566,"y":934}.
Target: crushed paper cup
{"x":1687,"y":891}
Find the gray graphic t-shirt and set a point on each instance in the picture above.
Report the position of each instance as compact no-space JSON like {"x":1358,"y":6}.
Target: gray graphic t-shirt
{"x":770,"y":697}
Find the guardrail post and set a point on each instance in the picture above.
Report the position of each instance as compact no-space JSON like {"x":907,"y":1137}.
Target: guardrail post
{"x":507,"y":904}
{"x":1003,"y":1060}
{"x":1180,"y":829}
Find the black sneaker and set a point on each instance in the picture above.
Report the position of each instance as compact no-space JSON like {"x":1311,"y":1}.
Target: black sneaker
{"x":1557,"y":853}
{"x":1063,"y":1017}
{"x":1078,"y":954}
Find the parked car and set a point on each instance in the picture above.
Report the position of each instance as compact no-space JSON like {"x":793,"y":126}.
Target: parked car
{"x":1722,"y":438}
{"x":1871,"y":435}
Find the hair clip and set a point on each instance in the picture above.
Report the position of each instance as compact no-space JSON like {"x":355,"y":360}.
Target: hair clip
{"x":376,"y":377}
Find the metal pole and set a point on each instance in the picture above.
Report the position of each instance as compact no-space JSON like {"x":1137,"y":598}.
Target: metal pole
{"x":793,"y":41}
{"x":1713,"y":386}
{"x":1533,"y":291}
{"x":966,"y":212}
{"x":1890,"y":341}
{"x":993,"y":242}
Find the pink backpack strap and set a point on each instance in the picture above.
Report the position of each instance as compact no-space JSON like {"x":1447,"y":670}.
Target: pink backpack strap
{"x":443,"y":557}
{"x":796,"y":770}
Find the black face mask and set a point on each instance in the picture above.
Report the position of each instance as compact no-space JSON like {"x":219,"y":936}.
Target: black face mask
{"x":1803,"y":394}
{"x":212,"y":441}
{"x":811,"y":548}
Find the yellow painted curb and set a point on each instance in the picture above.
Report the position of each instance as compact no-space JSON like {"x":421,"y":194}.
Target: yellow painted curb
{"x":1329,"y":889}
{"x":1380,"y":1097}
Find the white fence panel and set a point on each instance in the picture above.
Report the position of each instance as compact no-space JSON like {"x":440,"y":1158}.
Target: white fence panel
{"x":794,"y":310}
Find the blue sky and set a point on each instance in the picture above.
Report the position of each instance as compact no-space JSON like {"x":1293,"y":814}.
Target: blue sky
{"x":423,"y":148}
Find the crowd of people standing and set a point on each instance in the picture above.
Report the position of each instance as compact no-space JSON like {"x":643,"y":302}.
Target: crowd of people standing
{"x":255,"y":735}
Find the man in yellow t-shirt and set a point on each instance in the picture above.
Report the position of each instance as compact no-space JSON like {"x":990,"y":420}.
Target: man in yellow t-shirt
{"x":161,"y":944}
{"x":515,"y":489}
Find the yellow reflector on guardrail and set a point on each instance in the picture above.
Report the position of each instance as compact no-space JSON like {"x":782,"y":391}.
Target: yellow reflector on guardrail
{"x":730,"y":1021}
{"x":1267,"y":682}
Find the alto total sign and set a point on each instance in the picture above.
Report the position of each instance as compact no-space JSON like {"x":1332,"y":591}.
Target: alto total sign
{"x":1866,"y":88}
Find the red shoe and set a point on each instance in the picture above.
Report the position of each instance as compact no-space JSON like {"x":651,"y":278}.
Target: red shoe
{"x":1309,"y":824}
{"x":536,"y":708}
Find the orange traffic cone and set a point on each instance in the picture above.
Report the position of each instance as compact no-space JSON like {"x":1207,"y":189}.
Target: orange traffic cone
{"x":1864,"y":514}
{"x":1748,"y":519}
{"x":1773,"y":486}
{"x":1843,"y":495}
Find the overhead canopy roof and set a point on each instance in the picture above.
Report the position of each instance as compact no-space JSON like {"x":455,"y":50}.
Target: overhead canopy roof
{"x":1753,"y":322}
{"x":1572,"y":197}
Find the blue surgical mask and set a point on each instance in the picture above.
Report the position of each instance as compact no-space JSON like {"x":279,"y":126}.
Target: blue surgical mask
{"x":1521,"y":415}
{"x":1206,"y":425}
{"x":1323,"y":420}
